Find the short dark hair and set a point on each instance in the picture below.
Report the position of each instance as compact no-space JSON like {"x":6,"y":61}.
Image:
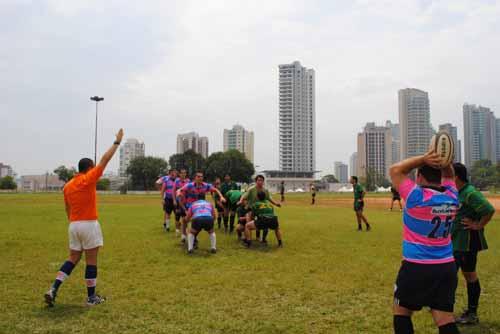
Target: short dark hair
{"x":227,"y":174}
{"x":85,"y":164}
{"x":431,"y":174}
{"x":172,"y":170}
{"x":355,"y":178}
{"x":460,"y":171}
{"x":201,"y":197}
{"x":261,"y":195}
{"x":260,"y":176}
{"x":183,"y":170}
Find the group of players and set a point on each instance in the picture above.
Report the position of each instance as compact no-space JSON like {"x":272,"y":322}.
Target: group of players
{"x":186,"y":202}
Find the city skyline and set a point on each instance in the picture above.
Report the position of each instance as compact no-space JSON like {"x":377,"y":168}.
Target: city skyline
{"x":176,"y":75}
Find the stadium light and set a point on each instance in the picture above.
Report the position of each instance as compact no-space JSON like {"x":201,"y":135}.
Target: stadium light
{"x":97,"y":99}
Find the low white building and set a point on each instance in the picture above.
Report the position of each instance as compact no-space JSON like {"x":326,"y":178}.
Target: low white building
{"x":44,"y":182}
{"x":293,"y":180}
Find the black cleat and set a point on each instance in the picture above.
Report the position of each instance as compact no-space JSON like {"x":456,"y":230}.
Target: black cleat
{"x":368,"y":228}
{"x":213,"y":250}
{"x":50,"y":298}
{"x":467,"y":318}
{"x":190,"y":251}
{"x":95,"y":300}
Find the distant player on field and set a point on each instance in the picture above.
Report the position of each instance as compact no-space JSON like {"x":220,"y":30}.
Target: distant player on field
{"x":468,"y":238}
{"x":396,"y":197}
{"x":282,"y":191}
{"x":84,"y":230}
{"x":180,"y":213}
{"x":225,"y":187}
{"x":427,"y":276}
{"x":313,"y":194}
{"x":201,"y":214}
{"x":168,"y":196}
{"x":264,"y":219}
{"x":219,"y":207}
{"x":359,"y":203}
{"x":233,"y":197}
{"x":242,"y":212}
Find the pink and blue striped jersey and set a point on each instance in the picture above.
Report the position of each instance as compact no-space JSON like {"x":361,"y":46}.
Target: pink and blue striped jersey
{"x":191,"y":191}
{"x":180,"y":183}
{"x":200,"y":209}
{"x":427,"y":220}
{"x":169,"y":186}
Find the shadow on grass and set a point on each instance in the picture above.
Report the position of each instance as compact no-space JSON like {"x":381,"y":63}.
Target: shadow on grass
{"x":61,"y":311}
{"x":487,"y":327}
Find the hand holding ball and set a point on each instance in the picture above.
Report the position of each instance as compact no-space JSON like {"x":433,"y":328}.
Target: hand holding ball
{"x":443,"y":145}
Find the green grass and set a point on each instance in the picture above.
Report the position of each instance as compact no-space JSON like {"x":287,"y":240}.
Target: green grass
{"x":328,"y":278}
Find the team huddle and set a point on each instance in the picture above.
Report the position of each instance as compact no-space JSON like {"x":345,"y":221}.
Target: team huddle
{"x":186,"y":201}
{"x":444,"y":218}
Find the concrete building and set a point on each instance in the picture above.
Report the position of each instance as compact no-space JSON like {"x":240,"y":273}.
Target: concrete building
{"x":6,"y":170}
{"x":130,"y":150}
{"x":374,"y":150}
{"x":414,"y":122}
{"x":341,"y":172}
{"x":480,"y":135}
{"x":192,"y":141}
{"x":44,"y":182}
{"x":497,"y":142}
{"x":396,"y":142}
{"x":239,"y":139}
{"x":452,"y":130}
{"x":353,"y":164}
{"x":297,"y":120}
{"x":293,"y":180}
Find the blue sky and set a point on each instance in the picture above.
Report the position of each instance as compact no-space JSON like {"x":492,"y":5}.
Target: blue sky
{"x":166,"y":67}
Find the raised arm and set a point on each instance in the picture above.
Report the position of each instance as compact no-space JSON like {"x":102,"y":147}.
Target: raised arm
{"x":111,"y":151}
{"x":399,"y":171}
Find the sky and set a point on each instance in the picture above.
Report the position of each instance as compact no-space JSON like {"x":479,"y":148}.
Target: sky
{"x":166,"y":67}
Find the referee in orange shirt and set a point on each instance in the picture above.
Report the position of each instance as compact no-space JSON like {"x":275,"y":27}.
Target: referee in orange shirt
{"x":84,"y":230}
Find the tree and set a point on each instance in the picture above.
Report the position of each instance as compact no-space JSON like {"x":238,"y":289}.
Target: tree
{"x":103,"y":184}
{"x":65,"y":174}
{"x":190,"y":160}
{"x":231,"y":162}
{"x":484,"y":174}
{"x":373,"y":179}
{"x":144,"y":172}
{"x":330,"y":178}
{"x":8,"y":183}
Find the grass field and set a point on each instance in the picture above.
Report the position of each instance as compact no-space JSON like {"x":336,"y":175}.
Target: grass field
{"x":327,"y":279}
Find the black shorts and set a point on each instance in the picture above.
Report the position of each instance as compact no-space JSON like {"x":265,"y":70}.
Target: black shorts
{"x":432,"y":285}
{"x":466,"y":261}
{"x":168,"y":206}
{"x":396,"y":198}
{"x":205,"y":223}
{"x":242,"y":221}
{"x":262,"y":223}
{"x":359,"y":206}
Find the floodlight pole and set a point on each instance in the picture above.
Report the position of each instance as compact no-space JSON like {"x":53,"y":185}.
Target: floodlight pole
{"x":97,"y":99}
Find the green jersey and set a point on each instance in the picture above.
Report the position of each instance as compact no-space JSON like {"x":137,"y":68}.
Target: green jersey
{"x":251,"y":195}
{"x":233,"y":196}
{"x":263,"y":209}
{"x":358,"y":191}
{"x":473,"y":205}
{"x":227,"y":186}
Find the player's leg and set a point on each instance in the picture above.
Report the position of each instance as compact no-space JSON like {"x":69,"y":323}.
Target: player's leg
{"x":445,"y":322}
{"x":213,"y":239}
{"x":277,"y":232}
{"x":250,"y":226}
{"x":91,"y":277}
{"x":226,"y":217}
{"x":467,"y":262}
{"x":177,"y":220}
{"x":232,"y":217}
{"x":400,"y":205}
{"x":193,"y":233}
{"x":402,"y":320}
{"x":63,"y":273}
{"x":358,"y":218}
{"x":392,"y":204}
{"x":265,"y":232}
{"x":363,"y":218}
{"x":168,"y":207}
{"x":219,"y":216}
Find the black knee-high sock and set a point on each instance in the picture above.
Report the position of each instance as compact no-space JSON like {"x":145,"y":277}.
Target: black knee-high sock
{"x":450,"y":328}
{"x":91,"y":279}
{"x":264,"y":234}
{"x":473,"y":293}
{"x":226,"y":220}
{"x":63,"y":274}
{"x":219,"y":220}
{"x":231,"y":222}
{"x":257,"y":233}
{"x":402,"y":325}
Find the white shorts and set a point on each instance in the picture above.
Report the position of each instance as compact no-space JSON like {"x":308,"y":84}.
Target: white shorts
{"x":85,"y":235}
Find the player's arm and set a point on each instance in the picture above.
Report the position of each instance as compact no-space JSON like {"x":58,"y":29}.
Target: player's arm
{"x":111,"y":151}
{"x":483,"y":208}
{"x":222,"y":199}
{"x":189,"y":214}
{"x":162,"y":192}
{"x":174,"y":191}
{"x":273,"y":202}
{"x":66,"y":207}
{"x":399,"y":171}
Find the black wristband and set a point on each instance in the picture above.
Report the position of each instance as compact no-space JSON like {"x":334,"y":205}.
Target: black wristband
{"x":116,"y":143}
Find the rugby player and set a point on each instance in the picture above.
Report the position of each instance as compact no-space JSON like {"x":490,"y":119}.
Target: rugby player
{"x":313,"y":194}
{"x":225,"y":187}
{"x":395,"y":197}
{"x":201,"y":213}
{"x":180,"y":213}
{"x":359,"y":204}
{"x":85,"y":235}
{"x":282,"y":191}
{"x":168,"y":196}
{"x":264,"y":219}
{"x":217,"y":203}
{"x":233,"y":197}
{"x":242,"y":211}
{"x":427,"y":276}
{"x":468,"y":238}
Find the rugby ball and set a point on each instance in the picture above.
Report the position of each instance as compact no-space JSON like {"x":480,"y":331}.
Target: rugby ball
{"x":443,"y":144}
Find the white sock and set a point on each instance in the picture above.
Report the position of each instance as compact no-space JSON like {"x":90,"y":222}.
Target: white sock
{"x":183,"y":237}
{"x":212,"y":240}
{"x":190,"y":241}
{"x":167,"y":223}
